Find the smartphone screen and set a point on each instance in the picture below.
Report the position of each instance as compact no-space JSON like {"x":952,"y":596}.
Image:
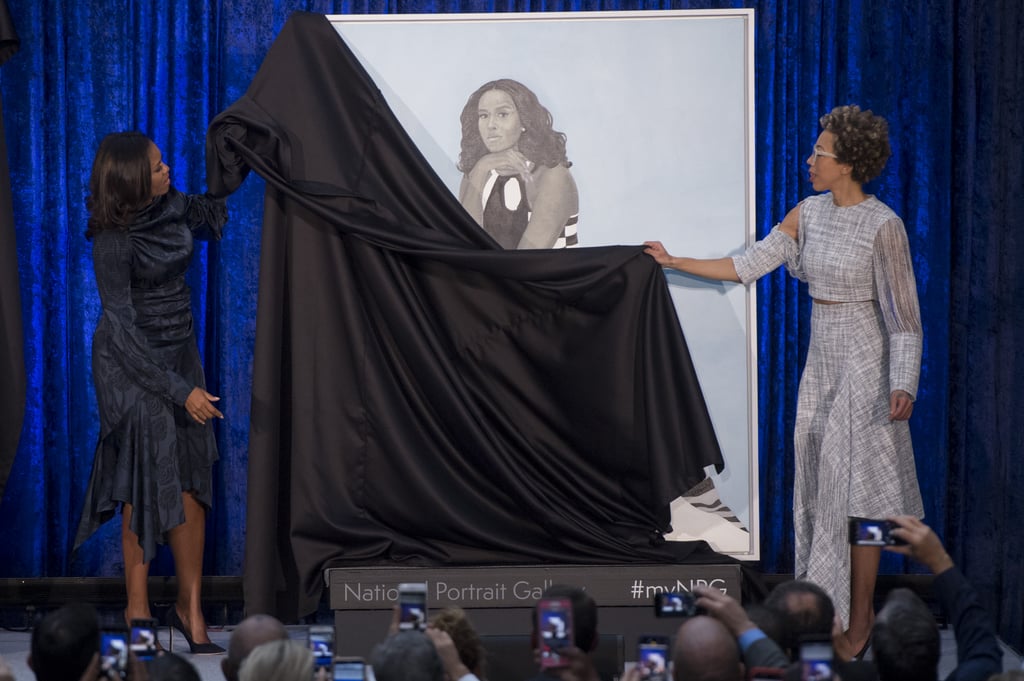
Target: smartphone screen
{"x":816,"y":660}
{"x":349,"y":669}
{"x":674,"y":604}
{"x":652,"y":657}
{"x":412,"y":605}
{"x":114,"y":652}
{"x":321,"y":642}
{"x":554,"y":629}
{"x":142,"y":638}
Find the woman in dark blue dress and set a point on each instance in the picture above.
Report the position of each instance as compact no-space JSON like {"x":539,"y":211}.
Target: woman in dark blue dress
{"x":156,"y":444}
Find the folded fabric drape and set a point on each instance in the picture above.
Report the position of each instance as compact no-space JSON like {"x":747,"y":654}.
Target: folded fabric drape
{"x":421,"y":396}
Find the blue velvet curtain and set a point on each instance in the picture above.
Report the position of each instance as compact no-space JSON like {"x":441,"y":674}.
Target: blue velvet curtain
{"x":948,"y":76}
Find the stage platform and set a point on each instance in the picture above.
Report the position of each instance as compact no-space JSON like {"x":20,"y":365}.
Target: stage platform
{"x":499,"y":600}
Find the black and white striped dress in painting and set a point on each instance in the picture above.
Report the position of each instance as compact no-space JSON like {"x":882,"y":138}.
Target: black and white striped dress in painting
{"x":851,"y":460}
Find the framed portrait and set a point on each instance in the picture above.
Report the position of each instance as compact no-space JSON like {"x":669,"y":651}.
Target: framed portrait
{"x":654,"y":111}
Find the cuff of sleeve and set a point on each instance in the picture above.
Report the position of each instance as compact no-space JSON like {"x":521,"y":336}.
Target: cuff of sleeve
{"x":749,"y":638}
{"x":904,"y":362}
{"x":180,"y":390}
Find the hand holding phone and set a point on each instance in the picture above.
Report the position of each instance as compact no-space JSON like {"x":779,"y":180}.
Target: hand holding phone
{"x":554,"y":630}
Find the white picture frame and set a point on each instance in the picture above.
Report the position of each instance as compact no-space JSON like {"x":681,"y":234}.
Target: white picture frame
{"x":658,"y":111}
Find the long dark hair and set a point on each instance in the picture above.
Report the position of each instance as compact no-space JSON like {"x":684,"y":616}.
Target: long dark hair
{"x":540,"y":143}
{"x":121,"y":183}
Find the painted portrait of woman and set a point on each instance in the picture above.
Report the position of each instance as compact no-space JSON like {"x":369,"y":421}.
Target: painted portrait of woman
{"x":516,"y":181}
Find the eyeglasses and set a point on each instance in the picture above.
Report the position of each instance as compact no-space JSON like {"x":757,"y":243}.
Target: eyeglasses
{"x":821,"y":152}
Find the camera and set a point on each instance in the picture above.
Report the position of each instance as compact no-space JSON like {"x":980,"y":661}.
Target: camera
{"x":142,"y":639}
{"x":321,"y":642}
{"x":412,"y":606}
{"x":349,"y":669}
{"x":652,"y":657}
{"x":816,"y":659}
{"x":114,"y":652}
{"x":554,"y":630}
{"x":867,"y":532}
{"x":675,"y":604}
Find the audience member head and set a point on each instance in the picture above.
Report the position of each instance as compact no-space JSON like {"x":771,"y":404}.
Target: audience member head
{"x":253,"y":631}
{"x":905,"y":639}
{"x":170,"y":667}
{"x":64,"y":642}
{"x":771,"y":622}
{"x":705,"y":650}
{"x":406,"y":656}
{"x":584,"y":615}
{"x":277,"y":661}
{"x":805,"y":610}
{"x":455,"y":623}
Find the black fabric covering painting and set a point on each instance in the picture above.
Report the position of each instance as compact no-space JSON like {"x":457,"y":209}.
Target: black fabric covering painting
{"x":420,"y":396}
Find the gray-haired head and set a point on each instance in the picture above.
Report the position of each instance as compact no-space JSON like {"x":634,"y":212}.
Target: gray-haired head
{"x":251,"y":632}
{"x":406,"y":656}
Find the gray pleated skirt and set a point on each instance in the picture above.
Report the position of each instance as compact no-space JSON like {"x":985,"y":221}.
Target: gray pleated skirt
{"x":851,"y":460}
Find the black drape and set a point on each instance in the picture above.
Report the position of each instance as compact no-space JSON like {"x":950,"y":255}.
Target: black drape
{"x":421,"y":396}
{"x":12,"y":364}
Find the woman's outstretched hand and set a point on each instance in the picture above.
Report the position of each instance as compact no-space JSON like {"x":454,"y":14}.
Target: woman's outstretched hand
{"x":657,"y":251}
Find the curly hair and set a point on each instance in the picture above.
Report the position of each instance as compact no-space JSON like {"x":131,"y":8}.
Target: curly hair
{"x":540,"y":143}
{"x":121,"y":183}
{"x":862,"y":140}
{"x":453,"y":621}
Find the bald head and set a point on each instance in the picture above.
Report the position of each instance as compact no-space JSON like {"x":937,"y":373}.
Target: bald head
{"x":705,"y":651}
{"x":251,"y":632}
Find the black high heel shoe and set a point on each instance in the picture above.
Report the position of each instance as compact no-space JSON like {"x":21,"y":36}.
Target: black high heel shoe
{"x":174,"y":622}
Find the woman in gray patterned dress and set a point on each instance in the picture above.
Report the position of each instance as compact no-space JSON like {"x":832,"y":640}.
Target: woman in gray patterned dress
{"x":852,"y":440}
{"x":156,"y":445}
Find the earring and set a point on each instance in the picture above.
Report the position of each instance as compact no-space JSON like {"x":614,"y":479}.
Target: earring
{"x":522,"y":129}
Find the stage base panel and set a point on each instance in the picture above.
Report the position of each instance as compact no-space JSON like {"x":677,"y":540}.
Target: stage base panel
{"x":499,"y":600}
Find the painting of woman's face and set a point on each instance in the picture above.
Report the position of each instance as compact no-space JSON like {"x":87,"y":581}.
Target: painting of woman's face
{"x":498,"y":121}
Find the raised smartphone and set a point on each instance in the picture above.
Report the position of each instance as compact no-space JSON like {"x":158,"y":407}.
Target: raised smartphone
{"x":412,"y":606}
{"x":114,"y":652}
{"x":554,"y":630}
{"x":142,"y":638}
{"x":321,"y":642}
{"x":652,"y":657}
{"x":349,"y":669}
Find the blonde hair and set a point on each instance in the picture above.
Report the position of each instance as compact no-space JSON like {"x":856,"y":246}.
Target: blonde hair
{"x":283,"y":660}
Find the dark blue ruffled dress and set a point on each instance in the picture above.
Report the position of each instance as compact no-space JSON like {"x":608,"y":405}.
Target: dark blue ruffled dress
{"x":145,"y":362}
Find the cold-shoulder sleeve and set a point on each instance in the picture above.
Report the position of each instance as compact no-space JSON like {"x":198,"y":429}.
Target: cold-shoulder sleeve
{"x":111,"y":257}
{"x":897,"y":297}
{"x":206,"y":215}
{"x":766,"y":255}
